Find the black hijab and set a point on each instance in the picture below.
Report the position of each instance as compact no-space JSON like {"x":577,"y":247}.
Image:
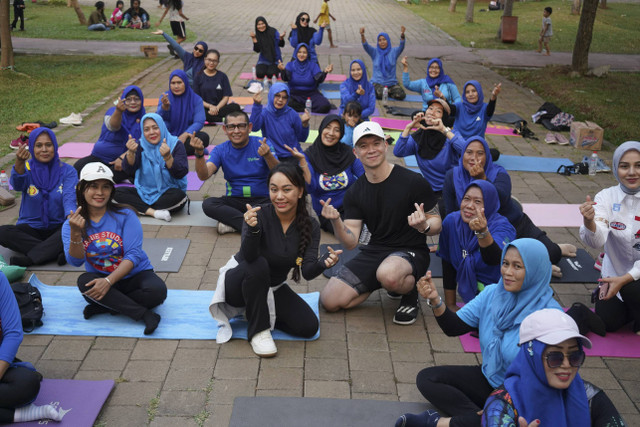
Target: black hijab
{"x":266,"y":40}
{"x":304,"y":33}
{"x":330,"y":160}
{"x":430,"y":142}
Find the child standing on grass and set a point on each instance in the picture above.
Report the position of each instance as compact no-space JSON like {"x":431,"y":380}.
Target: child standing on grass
{"x":176,"y":19}
{"x":323,"y":18}
{"x":546,"y":32}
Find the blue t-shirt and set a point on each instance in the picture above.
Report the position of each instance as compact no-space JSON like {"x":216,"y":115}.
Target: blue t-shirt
{"x":244,"y":169}
{"x":116,"y":237}
{"x":11,"y":336}
{"x":324,"y":186}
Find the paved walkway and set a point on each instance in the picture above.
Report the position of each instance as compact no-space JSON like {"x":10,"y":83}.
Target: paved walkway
{"x":361,"y":354}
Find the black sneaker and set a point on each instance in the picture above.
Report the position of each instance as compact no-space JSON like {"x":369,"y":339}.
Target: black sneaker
{"x":407,"y":312}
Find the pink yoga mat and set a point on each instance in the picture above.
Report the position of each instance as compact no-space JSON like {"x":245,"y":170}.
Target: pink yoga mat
{"x":553,"y":215}
{"x":78,"y":150}
{"x":330,"y":77}
{"x":400,"y":124}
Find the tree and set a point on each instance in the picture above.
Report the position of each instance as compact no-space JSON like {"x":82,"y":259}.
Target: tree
{"x":603,"y":4}
{"x":580,"y":58}
{"x":76,"y":7}
{"x":452,"y":6}
{"x":469,"y":16}
{"x":575,"y":7}
{"x":508,"y":11}
{"x":6,"y":62}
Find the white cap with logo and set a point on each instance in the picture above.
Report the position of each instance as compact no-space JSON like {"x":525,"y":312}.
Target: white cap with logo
{"x":94,"y":171}
{"x":550,"y":326}
{"x":367,"y":128}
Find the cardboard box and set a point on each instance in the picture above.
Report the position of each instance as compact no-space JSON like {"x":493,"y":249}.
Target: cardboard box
{"x":586,"y":136}
{"x":150,"y":51}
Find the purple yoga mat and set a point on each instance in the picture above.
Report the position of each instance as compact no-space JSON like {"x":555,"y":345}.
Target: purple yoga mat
{"x":330,"y":77}
{"x":193,"y":182}
{"x":400,"y":124}
{"x":78,"y":150}
{"x":248,"y":108}
{"x":83,"y":398}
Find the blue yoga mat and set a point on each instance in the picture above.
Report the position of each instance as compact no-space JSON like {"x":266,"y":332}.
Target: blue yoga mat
{"x":329,"y":94}
{"x":330,"y":86}
{"x":413,"y":98}
{"x":185,"y":315}
{"x":516,"y":163}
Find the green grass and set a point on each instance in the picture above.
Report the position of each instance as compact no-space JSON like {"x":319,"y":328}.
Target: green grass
{"x":615,"y":31}
{"x":615,"y":108}
{"x":47,"y":88}
{"x":60,"y":22}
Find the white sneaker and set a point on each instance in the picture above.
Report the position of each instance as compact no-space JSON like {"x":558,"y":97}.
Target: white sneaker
{"x":71,"y":119}
{"x":224,"y":228}
{"x":263,"y":345}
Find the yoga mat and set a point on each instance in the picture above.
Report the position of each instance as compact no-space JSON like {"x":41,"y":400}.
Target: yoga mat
{"x":268,"y":411}
{"x":248,"y":108}
{"x":532,"y":164}
{"x":151,"y":102}
{"x":401,"y":111}
{"x":506,"y":118}
{"x":196,"y":217}
{"x":577,"y":270}
{"x":399,"y":124}
{"x":329,"y":86}
{"x":242,"y":100}
{"x":411,"y":98}
{"x":622,"y":343}
{"x":330,"y":94}
{"x":435,"y":265}
{"x":78,"y":150}
{"x":193,"y":182}
{"x":185,"y":315}
{"x":83,"y":399}
{"x":166,"y":256}
{"x":553,"y":215}
{"x":330,"y":77}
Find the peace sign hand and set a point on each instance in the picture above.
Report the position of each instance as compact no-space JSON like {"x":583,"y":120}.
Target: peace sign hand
{"x":418,"y":219}
{"x":479,"y":223}
{"x":333,"y":257}
{"x":76,"y":221}
{"x":328,"y":211}
{"x":251,"y":215}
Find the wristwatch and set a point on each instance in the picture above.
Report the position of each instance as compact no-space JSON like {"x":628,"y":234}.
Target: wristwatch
{"x":199,"y":156}
{"x":447,"y":130}
{"x":438,"y":305}
{"x":481,"y":234}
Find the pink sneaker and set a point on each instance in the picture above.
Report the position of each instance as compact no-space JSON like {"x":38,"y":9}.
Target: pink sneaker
{"x":598,"y":263}
{"x":16,"y":143}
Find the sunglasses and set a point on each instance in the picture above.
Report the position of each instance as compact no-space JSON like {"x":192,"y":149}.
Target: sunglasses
{"x":555,"y":358}
{"x":197,"y":49}
{"x":239,"y":126}
{"x":304,"y":19}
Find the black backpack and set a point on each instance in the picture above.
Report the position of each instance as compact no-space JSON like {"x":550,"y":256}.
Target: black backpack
{"x":30,"y":304}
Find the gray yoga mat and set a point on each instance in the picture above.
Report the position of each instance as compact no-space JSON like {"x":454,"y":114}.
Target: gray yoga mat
{"x":166,"y":256}
{"x":195,"y":218}
{"x":316,"y":412}
{"x":506,"y":118}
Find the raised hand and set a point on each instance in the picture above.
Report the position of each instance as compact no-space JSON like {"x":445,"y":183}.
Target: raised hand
{"x":426,"y":287}
{"x":294,"y":26}
{"x":197,"y":144}
{"x":479,"y":223}
{"x":477,"y":171}
{"x":281,"y":66}
{"x":132,"y":145}
{"x":402,"y":30}
{"x":252,"y":35}
{"x":166,"y":104}
{"x":306,"y":116}
{"x":328,"y":211}
{"x":404,"y":61}
{"x":165,"y":151}
{"x":496,"y":90}
{"x":117,"y":164}
{"x":295,"y":152}
{"x":360,"y":91}
{"x":329,"y":68}
{"x":251,"y":215}
{"x":437,"y":92}
{"x":418,"y":219}
{"x":22,"y":155}
{"x":362,"y":31}
{"x":264,"y":149}
{"x":121,"y":105}
{"x":333,"y":257}
{"x":587,"y":210}
{"x":76,"y":221}
{"x":282,"y":35}
{"x":257,"y":98}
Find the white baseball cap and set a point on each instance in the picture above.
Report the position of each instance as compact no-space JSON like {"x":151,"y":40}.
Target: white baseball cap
{"x":550,"y":326}
{"x":94,"y":171}
{"x":367,"y":128}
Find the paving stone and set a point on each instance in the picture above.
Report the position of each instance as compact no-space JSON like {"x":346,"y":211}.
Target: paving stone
{"x":225,"y":391}
{"x":280,"y":379}
{"x":146,"y":370}
{"x":237,"y":368}
{"x":410,"y":352}
{"x":327,"y":389}
{"x":134,"y":393}
{"x":114,"y":360}
{"x":164,"y":421}
{"x":97,"y":375}
{"x":62,"y":348}
{"x":184,"y":357}
{"x":154,"y":350}
{"x":290,"y":355}
{"x":219,"y":416}
{"x":373,"y":382}
{"x":326,"y":349}
{"x":363,"y":360}
{"x":285,"y":392}
{"x":406,"y":372}
{"x":367,"y":341}
{"x":603,"y":378}
{"x":185,"y":403}
{"x":114,"y":415}
{"x":374,"y":396}
{"x":408,"y":392}
{"x":455,"y":359}
{"x":326,"y":369}
{"x":58,"y":369}
{"x":188,"y":378}
{"x":114,"y":343}
{"x":30,"y":353}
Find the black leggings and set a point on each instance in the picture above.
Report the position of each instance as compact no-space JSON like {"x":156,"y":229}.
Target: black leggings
{"x":118,"y":176}
{"x":173,"y":199}
{"x":18,"y":387}
{"x":459,"y":391}
{"x":603,"y":412}
{"x":267,"y":70}
{"x":41,"y":246}
{"x":230,"y":210}
{"x":616,"y":313}
{"x":247,"y":286}
{"x":222,"y":113}
{"x":132,"y":296}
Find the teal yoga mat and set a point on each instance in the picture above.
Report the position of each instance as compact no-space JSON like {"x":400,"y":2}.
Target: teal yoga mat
{"x":185,"y":315}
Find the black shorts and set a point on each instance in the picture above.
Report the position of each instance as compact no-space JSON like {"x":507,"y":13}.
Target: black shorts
{"x":178,"y":28}
{"x":360,"y":272}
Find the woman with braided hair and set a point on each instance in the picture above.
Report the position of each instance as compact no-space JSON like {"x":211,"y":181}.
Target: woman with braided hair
{"x":275,"y":238}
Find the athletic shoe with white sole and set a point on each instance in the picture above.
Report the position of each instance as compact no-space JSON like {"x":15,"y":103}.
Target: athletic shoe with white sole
{"x":407,"y":312}
{"x":72,"y":119}
{"x":16,"y":143}
{"x":263,"y":345}
{"x":224,"y":228}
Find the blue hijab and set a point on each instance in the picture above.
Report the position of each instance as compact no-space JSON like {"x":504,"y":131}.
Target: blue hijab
{"x":467,"y":114}
{"x":131,"y":121}
{"x":183,"y":107}
{"x":189,"y":61}
{"x":303,"y":72}
{"x":44,"y":176}
{"x":277,"y":88}
{"x":533,"y":398}
{"x":352,"y":85}
{"x":462,"y":178}
{"x":152,"y":177}
{"x":384,"y":61}
{"x":470,"y":268}
{"x":442,"y":77}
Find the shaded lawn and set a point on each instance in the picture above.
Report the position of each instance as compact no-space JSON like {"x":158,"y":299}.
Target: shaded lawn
{"x":52,"y":21}
{"x":615,"y":31}
{"x":608,"y":101}
{"x":54,"y":86}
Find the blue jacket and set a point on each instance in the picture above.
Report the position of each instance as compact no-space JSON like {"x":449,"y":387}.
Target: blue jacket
{"x":449,"y":91}
{"x":379,"y":76}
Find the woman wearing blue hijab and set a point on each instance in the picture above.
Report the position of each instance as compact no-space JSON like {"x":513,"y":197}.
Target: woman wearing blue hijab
{"x":119,"y":122}
{"x":543,"y":386}
{"x":471,"y":113}
{"x":436,"y":85}
{"x":181,"y":109}
{"x":358,"y":88}
{"x":471,"y":243}
{"x":192,"y":62}
{"x":496,"y":313}
{"x":160,"y":165}
{"x":279,"y":123}
{"x":48,"y":196}
{"x":384,"y":59}
{"x":304,"y":76}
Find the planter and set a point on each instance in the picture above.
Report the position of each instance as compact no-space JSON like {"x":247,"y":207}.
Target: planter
{"x":509,"y":29}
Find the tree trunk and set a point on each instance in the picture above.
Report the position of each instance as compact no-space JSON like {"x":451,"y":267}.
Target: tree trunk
{"x":76,"y":7}
{"x":469,"y":16}
{"x":603,"y":4}
{"x":575,"y":7}
{"x":452,"y":6}
{"x":508,"y":11}
{"x":6,"y":62}
{"x":580,"y":58}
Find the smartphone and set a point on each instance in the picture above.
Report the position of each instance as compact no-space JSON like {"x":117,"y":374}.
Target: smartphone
{"x":604,"y":290}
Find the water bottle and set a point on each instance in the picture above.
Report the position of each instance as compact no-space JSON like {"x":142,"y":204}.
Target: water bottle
{"x":253,"y":73}
{"x":4,"y":180}
{"x":593,"y":163}
{"x":265,"y":84}
{"x":307,"y":105}
{"x":274,"y":80}
{"x":385,"y":96}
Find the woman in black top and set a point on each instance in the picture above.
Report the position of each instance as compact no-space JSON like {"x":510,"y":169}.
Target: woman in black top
{"x":267,"y":41}
{"x":275,"y":238}
{"x":213,"y":87}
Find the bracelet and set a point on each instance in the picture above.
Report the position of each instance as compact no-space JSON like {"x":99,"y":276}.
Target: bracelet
{"x":447,"y":130}
{"x":426,"y":230}
{"x":199,"y":156}
{"x":76,"y":242}
{"x":108,"y":281}
{"x":481,"y":234}
{"x":438,"y":305}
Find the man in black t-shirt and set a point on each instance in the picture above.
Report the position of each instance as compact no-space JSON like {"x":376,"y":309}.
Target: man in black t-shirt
{"x":398,"y":207}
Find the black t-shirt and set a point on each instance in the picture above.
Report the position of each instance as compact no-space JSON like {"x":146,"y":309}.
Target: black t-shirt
{"x":385,"y":206}
{"x":212,"y":89}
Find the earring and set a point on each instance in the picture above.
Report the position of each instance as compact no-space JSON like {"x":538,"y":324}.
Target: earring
{"x":530,"y":348}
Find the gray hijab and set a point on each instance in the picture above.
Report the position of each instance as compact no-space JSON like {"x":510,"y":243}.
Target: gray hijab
{"x":617,"y":155}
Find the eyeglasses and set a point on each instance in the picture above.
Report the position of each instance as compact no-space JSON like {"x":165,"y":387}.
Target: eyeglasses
{"x":131,"y":100}
{"x":215,"y":61}
{"x":238,"y":126}
{"x":304,"y":19}
{"x":555,"y":358}
{"x":283,"y":97}
{"x":196,"y":48}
